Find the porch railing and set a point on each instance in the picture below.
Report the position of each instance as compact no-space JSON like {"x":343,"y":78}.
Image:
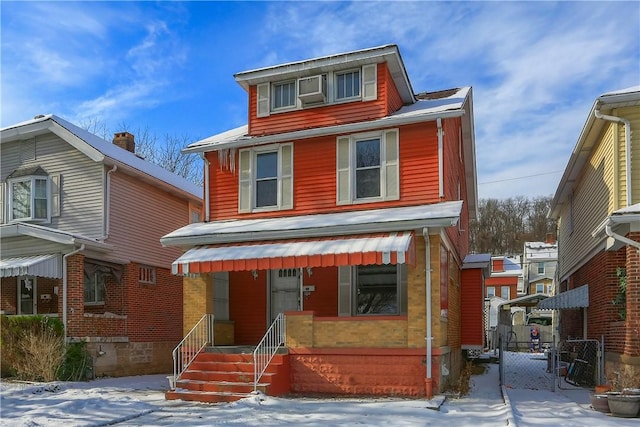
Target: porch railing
{"x":197,"y":338}
{"x":267,"y":348}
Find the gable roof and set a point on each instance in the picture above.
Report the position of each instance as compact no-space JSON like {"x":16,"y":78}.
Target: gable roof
{"x":98,"y":150}
{"x":587,"y":141}
{"x":386,"y":53}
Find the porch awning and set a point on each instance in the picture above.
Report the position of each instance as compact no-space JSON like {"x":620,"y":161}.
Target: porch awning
{"x":574,"y":298}
{"x":37,"y":265}
{"x":387,"y":248}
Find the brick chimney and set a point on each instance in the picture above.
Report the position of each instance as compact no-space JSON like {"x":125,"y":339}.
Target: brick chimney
{"x":550,"y":238}
{"x":125,"y":140}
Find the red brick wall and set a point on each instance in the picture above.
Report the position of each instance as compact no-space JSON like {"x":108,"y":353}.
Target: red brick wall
{"x":9,"y":295}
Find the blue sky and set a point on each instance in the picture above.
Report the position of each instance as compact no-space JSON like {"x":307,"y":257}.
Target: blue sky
{"x":536,"y":67}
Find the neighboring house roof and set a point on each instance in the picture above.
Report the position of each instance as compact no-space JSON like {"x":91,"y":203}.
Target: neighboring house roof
{"x":540,"y":251}
{"x":17,"y":229}
{"x":305,"y":226}
{"x":541,"y":279}
{"x":511,"y":268}
{"x":386,"y":53}
{"x":451,"y":104}
{"x":98,"y":149}
{"x":574,"y":298}
{"x":476,"y":261}
{"x":587,"y":140}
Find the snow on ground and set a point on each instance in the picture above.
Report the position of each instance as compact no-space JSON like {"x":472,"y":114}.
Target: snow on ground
{"x":139,"y":401}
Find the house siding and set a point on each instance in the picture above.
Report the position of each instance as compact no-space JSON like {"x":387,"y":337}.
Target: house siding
{"x":471,"y":307}
{"x":82,"y":179}
{"x":328,"y":115}
{"x":136,"y":227}
{"x":591,"y":205}
{"x":314,"y":177}
{"x":633,"y":115}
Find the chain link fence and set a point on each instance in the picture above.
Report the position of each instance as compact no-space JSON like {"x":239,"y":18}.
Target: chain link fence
{"x":539,"y":365}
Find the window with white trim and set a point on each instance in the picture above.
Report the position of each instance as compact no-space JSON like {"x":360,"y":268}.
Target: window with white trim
{"x":94,"y":290}
{"x":347,"y":84}
{"x":372,"y":290}
{"x":266,"y":178}
{"x":367,"y":167}
{"x":539,"y":288}
{"x":541,"y":268}
{"x":147,"y":274}
{"x":505,"y":293}
{"x":32,"y":195}
{"x":491,"y":291}
{"x":283,"y":95}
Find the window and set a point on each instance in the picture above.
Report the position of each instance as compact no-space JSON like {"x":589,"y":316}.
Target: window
{"x":372,"y":290}
{"x":539,"y":288}
{"x":32,"y":195}
{"x":491,"y":291}
{"x":541,"y":268}
{"x":347,"y":84}
{"x":367,"y":169}
{"x":505,"y":292}
{"x":283,"y":95}
{"x":266,"y":178}
{"x":221,"y":295}
{"x":94,"y":288}
{"x":147,"y":274}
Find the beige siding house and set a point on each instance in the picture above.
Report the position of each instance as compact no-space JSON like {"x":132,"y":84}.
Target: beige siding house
{"x":597,"y":205}
{"x":81,"y":221}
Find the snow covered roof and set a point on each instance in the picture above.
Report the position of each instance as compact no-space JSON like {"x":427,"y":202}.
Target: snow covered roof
{"x":305,"y":226}
{"x":97,"y":149}
{"x":540,"y":251}
{"x":422,"y":110}
{"x":476,"y":261}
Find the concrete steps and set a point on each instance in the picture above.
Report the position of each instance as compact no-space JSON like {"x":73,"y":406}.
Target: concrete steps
{"x":222,"y":375}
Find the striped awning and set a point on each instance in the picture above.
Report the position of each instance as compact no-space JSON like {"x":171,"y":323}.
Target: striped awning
{"x":387,"y":248}
{"x":37,"y":265}
{"x":574,"y":298}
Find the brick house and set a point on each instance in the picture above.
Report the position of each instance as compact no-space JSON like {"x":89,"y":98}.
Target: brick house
{"x":597,"y":205}
{"x":80,"y":229}
{"x":344,"y":204}
{"x":506,"y":273}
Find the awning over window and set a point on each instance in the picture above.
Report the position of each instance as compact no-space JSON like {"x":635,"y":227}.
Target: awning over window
{"x":388,"y":248}
{"x":38,"y":265}
{"x":574,"y":298}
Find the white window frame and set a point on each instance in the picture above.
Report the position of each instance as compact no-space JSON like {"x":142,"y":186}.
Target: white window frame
{"x":491,"y":291}
{"x":248,"y":178}
{"x":540,"y":264}
{"x":508,"y":292}
{"x":95,"y":285}
{"x":293,"y":106}
{"x":540,"y":288}
{"x":346,"y":180}
{"x":336,"y":75}
{"x":31,"y":179}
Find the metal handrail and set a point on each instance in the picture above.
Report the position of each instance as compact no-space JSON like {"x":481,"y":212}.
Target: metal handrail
{"x":191,"y":345}
{"x":267,"y":348}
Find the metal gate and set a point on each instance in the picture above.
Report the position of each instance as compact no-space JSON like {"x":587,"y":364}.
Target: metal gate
{"x":542,"y":366}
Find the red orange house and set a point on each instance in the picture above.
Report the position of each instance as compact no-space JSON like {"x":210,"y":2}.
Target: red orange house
{"x":340,"y":216}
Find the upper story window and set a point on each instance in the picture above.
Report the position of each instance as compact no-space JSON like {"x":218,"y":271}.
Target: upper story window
{"x":505,"y":292}
{"x":541,"y":268}
{"x":266,"y":178}
{"x":491,"y":291}
{"x":284,"y":95}
{"x":347,"y":84}
{"x":32,"y":195}
{"x":367,"y":169}
{"x":317,"y":89}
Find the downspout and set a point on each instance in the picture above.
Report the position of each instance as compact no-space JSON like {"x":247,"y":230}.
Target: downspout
{"x":107,"y":208}
{"x":428,"y":381}
{"x":64,"y":288}
{"x":206,"y":187}
{"x":440,"y":158}
{"x":627,"y":145}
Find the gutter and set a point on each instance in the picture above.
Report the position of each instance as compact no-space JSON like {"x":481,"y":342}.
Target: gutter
{"x":627,"y":142}
{"x":440,"y":158}
{"x":64,"y":288}
{"x":428,"y":381}
{"x":609,"y":232}
{"x":206,"y":187}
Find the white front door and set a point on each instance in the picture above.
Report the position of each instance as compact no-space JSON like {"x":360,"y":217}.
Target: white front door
{"x":27,"y":295}
{"x":285,"y":291}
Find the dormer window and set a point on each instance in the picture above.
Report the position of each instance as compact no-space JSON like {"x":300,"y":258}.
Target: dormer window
{"x":284,"y":95}
{"x":32,"y":195}
{"x":347,"y":85}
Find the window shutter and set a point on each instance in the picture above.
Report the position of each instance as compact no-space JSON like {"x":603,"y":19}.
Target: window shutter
{"x":286,"y":191}
{"x":3,"y":206}
{"x":263,"y":100}
{"x":344,"y":290}
{"x":369,"y":82}
{"x":244,"y":187}
{"x":56,"y":181}
{"x":343,"y":187}
{"x":391,"y":169}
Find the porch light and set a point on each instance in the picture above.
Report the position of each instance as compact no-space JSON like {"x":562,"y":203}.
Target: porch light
{"x":254,"y":273}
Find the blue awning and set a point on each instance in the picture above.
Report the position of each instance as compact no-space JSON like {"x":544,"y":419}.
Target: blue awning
{"x":574,"y":298}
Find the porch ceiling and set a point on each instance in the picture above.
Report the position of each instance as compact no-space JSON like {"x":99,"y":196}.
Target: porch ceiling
{"x":38,"y":265}
{"x":382,"y":248}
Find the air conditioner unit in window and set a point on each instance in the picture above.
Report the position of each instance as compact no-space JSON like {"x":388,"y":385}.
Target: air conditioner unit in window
{"x":312,"y":89}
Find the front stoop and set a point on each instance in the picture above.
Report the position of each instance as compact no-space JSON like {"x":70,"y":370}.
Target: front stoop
{"x":216,"y":376}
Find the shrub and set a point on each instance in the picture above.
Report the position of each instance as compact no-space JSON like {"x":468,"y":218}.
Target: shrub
{"x":78,"y":363}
